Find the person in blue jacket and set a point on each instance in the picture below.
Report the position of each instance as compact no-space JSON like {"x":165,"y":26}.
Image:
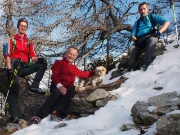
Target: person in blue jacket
{"x":145,"y":36}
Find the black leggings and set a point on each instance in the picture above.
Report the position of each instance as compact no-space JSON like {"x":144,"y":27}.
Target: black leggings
{"x":13,"y":93}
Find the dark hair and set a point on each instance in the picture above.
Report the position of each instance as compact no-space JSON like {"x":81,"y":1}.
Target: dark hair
{"x":143,"y":3}
{"x":22,"y":20}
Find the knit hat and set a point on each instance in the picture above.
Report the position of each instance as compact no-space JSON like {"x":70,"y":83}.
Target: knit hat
{"x":22,"y":20}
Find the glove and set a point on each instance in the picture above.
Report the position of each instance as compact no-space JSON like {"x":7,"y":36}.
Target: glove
{"x":42,"y":60}
{"x":157,"y":34}
{"x":10,"y":74}
{"x":138,"y":42}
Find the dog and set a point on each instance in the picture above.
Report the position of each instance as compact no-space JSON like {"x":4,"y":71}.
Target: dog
{"x":96,"y":79}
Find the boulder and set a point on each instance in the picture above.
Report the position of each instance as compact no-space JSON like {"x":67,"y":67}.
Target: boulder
{"x":168,"y":124}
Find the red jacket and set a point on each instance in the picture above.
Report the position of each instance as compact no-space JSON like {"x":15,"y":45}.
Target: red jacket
{"x":64,"y":72}
{"x":21,"y":50}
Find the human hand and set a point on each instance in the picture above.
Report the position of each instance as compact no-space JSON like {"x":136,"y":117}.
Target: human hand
{"x":42,"y":60}
{"x":10,"y":74}
{"x":63,"y":90}
{"x":138,"y":42}
{"x":157,"y":34}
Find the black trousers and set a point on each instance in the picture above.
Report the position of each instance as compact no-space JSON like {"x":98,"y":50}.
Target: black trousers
{"x":57,"y":101}
{"x":13,"y":93}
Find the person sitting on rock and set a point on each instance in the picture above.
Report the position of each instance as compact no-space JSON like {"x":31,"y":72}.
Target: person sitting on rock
{"x":145,"y":36}
{"x":62,"y":87}
{"x":21,"y":48}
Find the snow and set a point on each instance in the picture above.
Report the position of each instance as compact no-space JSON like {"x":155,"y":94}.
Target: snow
{"x":109,"y":120}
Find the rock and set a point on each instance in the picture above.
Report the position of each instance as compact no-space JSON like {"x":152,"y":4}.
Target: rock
{"x":165,"y":103}
{"x":101,"y":103}
{"x":168,"y":125}
{"x":97,"y":95}
{"x":141,"y":114}
{"x":158,"y":88}
{"x":4,"y":120}
{"x":11,"y":127}
{"x":159,"y":99}
{"x":23,"y":123}
{"x":81,"y":106}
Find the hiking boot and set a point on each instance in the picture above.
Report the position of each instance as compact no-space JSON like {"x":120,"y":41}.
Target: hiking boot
{"x":37,"y":91}
{"x":57,"y":119}
{"x":35,"y":120}
{"x":35,"y":88}
{"x":14,"y":119}
{"x":144,"y":67}
{"x":55,"y":116}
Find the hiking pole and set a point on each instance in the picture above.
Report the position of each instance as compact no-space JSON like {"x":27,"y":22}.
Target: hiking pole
{"x":175,"y":22}
{"x":12,"y":81}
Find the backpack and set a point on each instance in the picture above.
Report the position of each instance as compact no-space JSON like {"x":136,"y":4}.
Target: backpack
{"x":5,"y":48}
{"x":154,"y":28}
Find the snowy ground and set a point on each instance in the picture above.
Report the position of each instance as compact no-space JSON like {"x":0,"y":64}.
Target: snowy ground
{"x":163,"y":72}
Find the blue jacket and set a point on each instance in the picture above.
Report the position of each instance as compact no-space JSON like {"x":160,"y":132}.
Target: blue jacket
{"x":145,"y":25}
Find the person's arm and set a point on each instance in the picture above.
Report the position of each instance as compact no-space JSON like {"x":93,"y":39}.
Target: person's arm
{"x":133,"y":38}
{"x":55,"y":77}
{"x":8,"y":56}
{"x":8,"y":62}
{"x":32,"y":52}
{"x":133,"y":33}
{"x":162,"y":21}
{"x":35,"y":59}
{"x":164,"y":27}
{"x":82,"y":74}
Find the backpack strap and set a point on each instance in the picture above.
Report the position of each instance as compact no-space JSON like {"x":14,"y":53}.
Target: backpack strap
{"x":138,"y":22}
{"x":29,"y":41}
{"x":151,"y":20}
{"x":13,"y":44}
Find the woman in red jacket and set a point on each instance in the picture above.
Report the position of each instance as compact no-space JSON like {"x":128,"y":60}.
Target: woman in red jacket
{"x":62,"y":87}
{"x":21,"y":48}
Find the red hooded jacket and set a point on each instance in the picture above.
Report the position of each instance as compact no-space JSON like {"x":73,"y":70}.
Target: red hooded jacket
{"x":21,"y":49}
{"x":64,"y":72}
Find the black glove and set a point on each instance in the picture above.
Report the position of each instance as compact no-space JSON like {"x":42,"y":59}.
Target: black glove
{"x":157,"y":34}
{"x":138,"y":42}
{"x":10,"y":74}
{"x":42,"y":60}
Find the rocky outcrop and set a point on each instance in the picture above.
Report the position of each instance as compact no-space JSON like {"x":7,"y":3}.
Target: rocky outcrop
{"x":163,"y":109}
{"x":168,"y":124}
{"x":141,"y":115}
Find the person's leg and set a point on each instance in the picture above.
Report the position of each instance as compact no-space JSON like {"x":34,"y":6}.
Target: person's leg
{"x":13,"y":101}
{"x":134,"y":50}
{"x":49,"y":104}
{"x":39,"y":69}
{"x":64,"y":103}
{"x":12,"y":98}
{"x":149,"y":50}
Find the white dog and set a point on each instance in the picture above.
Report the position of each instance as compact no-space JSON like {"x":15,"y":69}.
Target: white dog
{"x":96,"y":79}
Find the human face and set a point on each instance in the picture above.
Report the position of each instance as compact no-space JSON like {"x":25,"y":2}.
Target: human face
{"x":71,"y":55}
{"x":143,"y":10}
{"x":22,"y":28}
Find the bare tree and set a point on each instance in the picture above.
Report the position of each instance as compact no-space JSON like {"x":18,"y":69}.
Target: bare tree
{"x":55,"y":25}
